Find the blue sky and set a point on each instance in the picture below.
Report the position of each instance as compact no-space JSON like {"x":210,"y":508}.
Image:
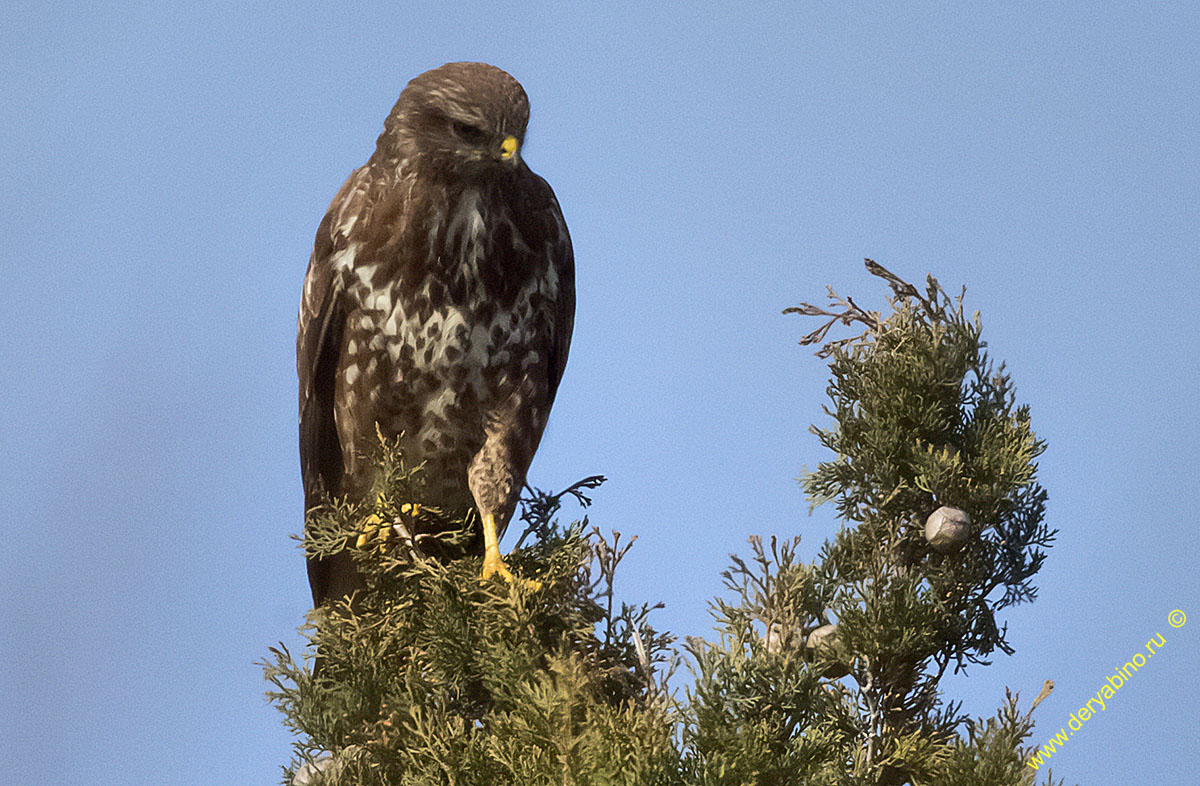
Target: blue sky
{"x":166,"y":166}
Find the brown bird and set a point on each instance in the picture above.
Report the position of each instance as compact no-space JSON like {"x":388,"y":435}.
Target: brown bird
{"x":437,"y":308}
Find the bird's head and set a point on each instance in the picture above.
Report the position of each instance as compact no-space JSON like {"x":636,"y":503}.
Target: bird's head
{"x":465,"y":118}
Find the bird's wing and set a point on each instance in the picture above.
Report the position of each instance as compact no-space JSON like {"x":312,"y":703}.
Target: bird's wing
{"x":318,"y":348}
{"x":319,"y":342}
{"x":562,"y":257}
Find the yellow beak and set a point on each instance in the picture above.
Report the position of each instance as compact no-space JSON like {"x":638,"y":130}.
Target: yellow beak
{"x":508,"y":148}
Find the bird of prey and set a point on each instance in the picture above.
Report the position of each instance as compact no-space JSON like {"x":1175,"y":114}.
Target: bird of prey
{"x":437,"y":308}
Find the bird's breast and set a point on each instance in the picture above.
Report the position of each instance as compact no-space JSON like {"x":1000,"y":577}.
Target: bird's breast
{"x":437,"y":372}
{"x":444,"y":329}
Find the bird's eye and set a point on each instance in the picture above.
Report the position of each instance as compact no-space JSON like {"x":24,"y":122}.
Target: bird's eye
{"x":472,"y":135}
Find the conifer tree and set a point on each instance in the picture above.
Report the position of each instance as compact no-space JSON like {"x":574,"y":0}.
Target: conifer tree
{"x":824,"y":672}
{"x":828,"y":672}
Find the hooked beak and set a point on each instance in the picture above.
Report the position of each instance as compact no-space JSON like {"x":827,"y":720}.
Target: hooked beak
{"x":508,"y":148}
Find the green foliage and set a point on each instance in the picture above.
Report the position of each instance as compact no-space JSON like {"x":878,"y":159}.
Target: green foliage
{"x":433,"y":676}
{"x":828,"y":672}
{"x":993,"y":752}
{"x":824,"y":673}
{"x":758,"y":711}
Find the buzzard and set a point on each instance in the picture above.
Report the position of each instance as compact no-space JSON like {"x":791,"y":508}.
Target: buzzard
{"x":437,"y":308}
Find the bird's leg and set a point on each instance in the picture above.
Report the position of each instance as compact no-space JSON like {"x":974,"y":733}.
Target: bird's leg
{"x":493,"y":563}
{"x":497,"y":472}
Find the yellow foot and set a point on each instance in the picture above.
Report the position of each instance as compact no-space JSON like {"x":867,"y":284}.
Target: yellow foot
{"x":493,"y":565}
{"x":374,"y":528}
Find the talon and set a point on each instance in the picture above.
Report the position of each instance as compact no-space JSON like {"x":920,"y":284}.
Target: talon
{"x":371,"y":526}
{"x":493,"y":564}
{"x":375,"y":528}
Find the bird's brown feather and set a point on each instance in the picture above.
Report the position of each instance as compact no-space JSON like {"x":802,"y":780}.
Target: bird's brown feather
{"x":438,"y":308}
